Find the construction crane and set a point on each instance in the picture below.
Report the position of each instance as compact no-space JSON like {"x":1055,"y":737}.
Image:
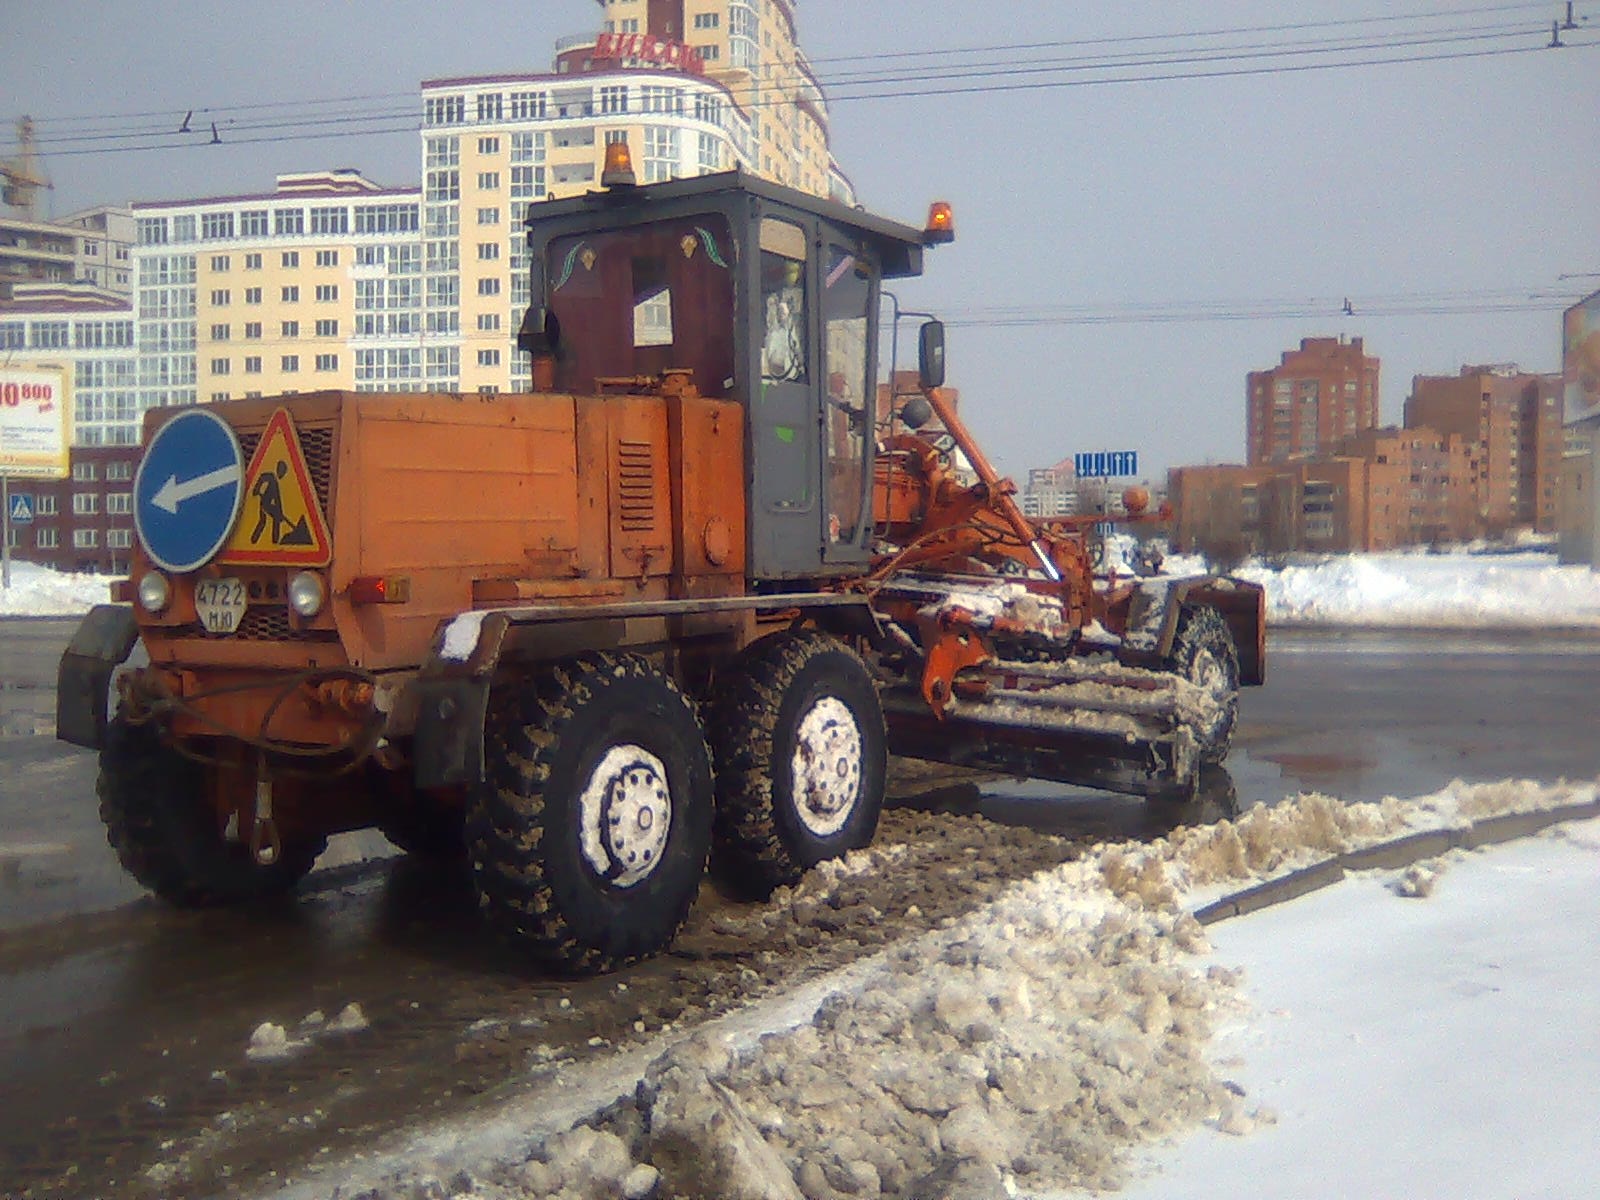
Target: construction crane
{"x":21,"y":175}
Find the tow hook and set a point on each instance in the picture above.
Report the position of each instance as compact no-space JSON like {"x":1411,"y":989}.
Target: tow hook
{"x":265,"y":845}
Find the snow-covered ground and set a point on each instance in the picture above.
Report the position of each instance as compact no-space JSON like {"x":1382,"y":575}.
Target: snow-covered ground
{"x":1525,"y":590}
{"x":1419,"y":1032}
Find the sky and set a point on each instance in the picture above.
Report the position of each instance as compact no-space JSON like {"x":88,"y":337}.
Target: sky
{"x":1468,"y":183}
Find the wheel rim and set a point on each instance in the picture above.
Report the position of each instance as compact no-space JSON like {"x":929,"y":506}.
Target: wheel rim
{"x":1208,"y":673}
{"x":825,"y":769}
{"x":625,"y":815}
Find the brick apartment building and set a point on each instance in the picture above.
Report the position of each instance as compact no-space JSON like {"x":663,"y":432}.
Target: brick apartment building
{"x":1514,"y":421}
{"x":1316,"y":396}
{"x":84,"y":522}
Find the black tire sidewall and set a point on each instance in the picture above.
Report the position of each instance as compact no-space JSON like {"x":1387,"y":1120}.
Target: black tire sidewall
{"x":1200,"y":630}
{"x":642,"y":711}
{"x":836,"y":673}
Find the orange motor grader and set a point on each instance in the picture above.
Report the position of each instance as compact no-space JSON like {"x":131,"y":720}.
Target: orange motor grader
{"x":682,"y":599}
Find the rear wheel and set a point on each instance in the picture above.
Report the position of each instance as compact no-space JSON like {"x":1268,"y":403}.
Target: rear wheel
{"x":152,"y":801}
{"x":590,"y":832}
{"x":1203,"y":652}
{"x":800,"y":750}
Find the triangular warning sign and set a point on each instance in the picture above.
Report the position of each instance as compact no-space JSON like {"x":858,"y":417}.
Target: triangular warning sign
{"x":280,"y":521}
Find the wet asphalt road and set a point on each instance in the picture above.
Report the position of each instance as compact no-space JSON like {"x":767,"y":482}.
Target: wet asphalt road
{"x":105,"y":996}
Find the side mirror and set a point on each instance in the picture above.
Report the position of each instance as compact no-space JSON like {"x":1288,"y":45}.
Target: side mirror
{"x":930,"y":355}
{"x":540,"y":334}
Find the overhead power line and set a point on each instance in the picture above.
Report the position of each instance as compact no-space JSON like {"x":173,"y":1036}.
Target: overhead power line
{"x":1025,"y":67}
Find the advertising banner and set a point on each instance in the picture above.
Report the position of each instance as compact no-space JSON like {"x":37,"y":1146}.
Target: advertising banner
{"x":1580,"y":357}
{"x":35,"y":422}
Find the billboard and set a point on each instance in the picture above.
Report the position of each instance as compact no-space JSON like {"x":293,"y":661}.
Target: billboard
{"x":1580,"y":357}
{"x":35,"y":422}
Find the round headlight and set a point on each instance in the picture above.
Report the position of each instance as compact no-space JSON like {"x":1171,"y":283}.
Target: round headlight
{"x":155,"y":593}
{"x":307,"y":593}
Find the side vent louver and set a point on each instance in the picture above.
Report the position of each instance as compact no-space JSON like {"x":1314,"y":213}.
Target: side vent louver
{"x":636,"y":486}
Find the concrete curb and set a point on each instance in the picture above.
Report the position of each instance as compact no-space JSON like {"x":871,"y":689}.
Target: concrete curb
{"x":1402,"y":852}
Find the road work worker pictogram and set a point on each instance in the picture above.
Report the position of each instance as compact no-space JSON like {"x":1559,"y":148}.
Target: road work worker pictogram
{"x":280,"y":521}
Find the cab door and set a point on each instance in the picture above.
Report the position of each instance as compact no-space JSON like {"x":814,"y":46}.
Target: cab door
{"x":847,"y":306}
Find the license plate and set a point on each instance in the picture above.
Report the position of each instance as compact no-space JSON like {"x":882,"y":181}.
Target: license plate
{"x":220,"y":604}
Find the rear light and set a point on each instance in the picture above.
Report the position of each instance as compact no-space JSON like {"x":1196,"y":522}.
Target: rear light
{"x":379,"y":589}
{"x":307,"y":593}
{"x":155,"y":593}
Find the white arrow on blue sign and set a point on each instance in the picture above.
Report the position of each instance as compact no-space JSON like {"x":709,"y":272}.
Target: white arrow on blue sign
{"x":1102,"y":464}
{"x":21,"y":509}
{"x":187,"y":493}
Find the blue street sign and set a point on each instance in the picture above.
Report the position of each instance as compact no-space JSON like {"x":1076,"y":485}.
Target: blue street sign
{"x":22,"y":509}
{"x":186,"y":496}
{"x":1102,"y":464}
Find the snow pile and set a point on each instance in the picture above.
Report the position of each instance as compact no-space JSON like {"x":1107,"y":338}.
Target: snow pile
{"x":271,"y":1042}
{"x":37,"y":591}
{"x":1460,"y":591}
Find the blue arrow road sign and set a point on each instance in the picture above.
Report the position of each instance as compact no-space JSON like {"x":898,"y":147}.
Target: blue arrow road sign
{"x":186,"y":496}
{"x":1103,"y":464}
{"x":22,"y":509}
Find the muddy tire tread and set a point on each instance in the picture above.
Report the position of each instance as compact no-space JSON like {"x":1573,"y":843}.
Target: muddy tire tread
{"x":1201,"y":627}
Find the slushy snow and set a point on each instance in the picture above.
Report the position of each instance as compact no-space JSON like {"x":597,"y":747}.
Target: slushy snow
{"x":1032,"y":1046}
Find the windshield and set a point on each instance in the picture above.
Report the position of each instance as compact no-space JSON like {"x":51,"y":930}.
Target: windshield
{"x":645,"y":300}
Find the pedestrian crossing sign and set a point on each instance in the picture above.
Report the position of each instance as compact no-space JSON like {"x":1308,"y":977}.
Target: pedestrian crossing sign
{"x":280,"y":519}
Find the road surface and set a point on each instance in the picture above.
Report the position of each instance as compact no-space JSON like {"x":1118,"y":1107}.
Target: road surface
{"x":123,"y":1025}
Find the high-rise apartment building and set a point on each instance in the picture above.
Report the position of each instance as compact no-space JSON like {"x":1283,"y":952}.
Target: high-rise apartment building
{"x":1513,"y":419}
{"x":1051,"y":491}
{"x":91,"y":247}
{"x":1322,"y":392}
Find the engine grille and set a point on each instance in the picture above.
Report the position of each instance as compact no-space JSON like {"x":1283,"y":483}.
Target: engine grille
{"x":636,"y":486}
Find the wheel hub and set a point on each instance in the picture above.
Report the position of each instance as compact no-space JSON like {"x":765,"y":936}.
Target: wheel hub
{"x":625,"y":815}
{"x":826,"y":766}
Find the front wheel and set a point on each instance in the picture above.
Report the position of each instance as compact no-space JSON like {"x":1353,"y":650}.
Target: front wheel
{"x":1203,"y":652}
{"x":801,"y":753}
{"x":152,"y":801}
{"x":590,"y":832}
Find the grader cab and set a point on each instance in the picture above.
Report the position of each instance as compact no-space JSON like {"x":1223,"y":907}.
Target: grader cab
{"x":679,"y":600}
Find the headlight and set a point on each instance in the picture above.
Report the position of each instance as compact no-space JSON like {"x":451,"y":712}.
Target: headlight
{"x":155,"y":593}
{"x":307,"y":593}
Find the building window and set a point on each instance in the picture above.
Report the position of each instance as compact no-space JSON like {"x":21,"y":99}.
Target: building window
{"x":290,"y":258}
{"x":442,"y":186}
{"x":327,"y":292}
{"x":219,"y":333}
{"x":488,"y":358}
{"x":85,"y":539}
{"x":216,"y":225}
{"x":119,"y":539}
{"x":328,"y":328}
{"x":252,"y":262}
{"x":290,"y":363}
{"x":388,"y":218}
{"x":527,"y":106}
{"x":85,"y":504}
{"x":119,"y":504}
{"x":613,"y":99}
{"x":252,"y":365}
{"x":706,"y":20}
{"x":289,"y":222}
{"x":291,"y":295}
{"x":219,"y":262}
{"x":488,"y":287}
{"x":444,"y":110}
{"x":488,"y":251}
{"x":252,"y":295}
{"x":47,"y":539}
{"x":488,"y":145}
{"x":252,"y":329}
{"x":46,"y":505}
{"x":327,"y":258}
{"x":330,"y":220}
{"x":489,"y":106}
{"x":488,"y":181}
{"x":83,"y":472}
{"x":219,"y":297}
{"x":119,"y":470}
{"x":488,"y":322}
{"x":488,"y":216}
{"x":253,"y":223}
{"x":289,"y":329}
{"x":327,"y":362}
{"x":710,"y":53}
{"x":219,"y":366}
